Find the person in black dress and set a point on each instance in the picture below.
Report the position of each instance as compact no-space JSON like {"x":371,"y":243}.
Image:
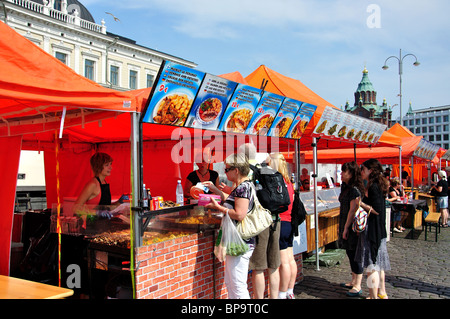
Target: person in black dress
{"x":372,"y":250}
{"x":351,"y":190}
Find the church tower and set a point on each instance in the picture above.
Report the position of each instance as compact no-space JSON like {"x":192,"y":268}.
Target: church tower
{"x":366,"y":102}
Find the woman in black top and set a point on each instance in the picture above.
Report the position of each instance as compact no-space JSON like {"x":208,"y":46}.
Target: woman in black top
{"x":349,"y":198}
{"x":442,"y":197}
{"x":372,"y":250}
{"x":396,"y":192}
{"x":202,"y":174}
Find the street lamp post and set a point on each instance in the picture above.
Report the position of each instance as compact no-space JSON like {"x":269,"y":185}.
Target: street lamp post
{"x":400,"y":72}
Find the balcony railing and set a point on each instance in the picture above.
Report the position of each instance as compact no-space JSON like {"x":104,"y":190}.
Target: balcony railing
{"x":72,"y":18}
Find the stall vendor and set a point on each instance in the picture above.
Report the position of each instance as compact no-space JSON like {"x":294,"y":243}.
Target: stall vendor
{"x":202,"y":174}
{"x":96,"y":193}
{"x":304,"y":179}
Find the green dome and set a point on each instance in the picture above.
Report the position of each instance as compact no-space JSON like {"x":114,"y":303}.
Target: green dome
{"x":365,"y":85}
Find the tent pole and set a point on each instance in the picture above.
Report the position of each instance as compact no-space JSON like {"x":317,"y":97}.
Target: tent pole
{"x":354,"y":150}
{"x":135,"y":136}
{"x":429,"y":174}
{"x":316,"y":215}
{"x":400,"y":164}
{"x":297,"y":165}
{"x":412,"y":175}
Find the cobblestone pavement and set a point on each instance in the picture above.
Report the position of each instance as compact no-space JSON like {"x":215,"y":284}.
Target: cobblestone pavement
{"x":420,"y":270}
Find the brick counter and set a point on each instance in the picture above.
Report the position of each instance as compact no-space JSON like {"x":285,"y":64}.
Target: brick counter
{"x":183,"y":268}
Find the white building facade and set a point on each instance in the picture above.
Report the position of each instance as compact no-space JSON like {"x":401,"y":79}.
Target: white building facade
{"x":432,"y":123}
{"x":66,"y":30}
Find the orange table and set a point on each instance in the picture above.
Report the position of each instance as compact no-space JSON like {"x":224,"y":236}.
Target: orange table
{"x":15,"y":288}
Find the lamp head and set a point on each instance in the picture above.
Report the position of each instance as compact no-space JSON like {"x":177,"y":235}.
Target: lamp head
{"x":417,"y":63}
{"x":385,"y":67}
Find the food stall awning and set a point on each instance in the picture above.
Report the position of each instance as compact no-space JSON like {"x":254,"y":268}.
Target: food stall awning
{"x":35,"y":87}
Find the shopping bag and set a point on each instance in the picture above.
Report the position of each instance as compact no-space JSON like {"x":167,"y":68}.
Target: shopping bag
{"x":229,"y":242}
{"x":360,"y":220}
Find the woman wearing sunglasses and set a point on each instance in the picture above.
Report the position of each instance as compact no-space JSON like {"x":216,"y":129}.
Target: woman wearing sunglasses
{"x":236,"y":205}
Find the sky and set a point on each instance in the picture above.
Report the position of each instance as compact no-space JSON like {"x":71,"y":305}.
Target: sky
{"x":325,"y":44}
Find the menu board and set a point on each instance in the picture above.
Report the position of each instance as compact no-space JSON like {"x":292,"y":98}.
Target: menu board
{"x":211,"y":102}
{"x":186,"y":97}
{"x":446,"y":156}
{"x":265,"y":114}
{"x":426,"y":150}
{"x":173,"y":95}
{"x":336,"y":124}
{"x":301,"y":121}
{"x":240,"y":109}
{"x":284,"y":117}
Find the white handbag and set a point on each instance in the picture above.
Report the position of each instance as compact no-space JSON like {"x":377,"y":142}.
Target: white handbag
{"x":257,"y":219}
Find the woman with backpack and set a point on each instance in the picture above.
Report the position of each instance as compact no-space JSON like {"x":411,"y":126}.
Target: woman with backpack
{"x":288,"y":266}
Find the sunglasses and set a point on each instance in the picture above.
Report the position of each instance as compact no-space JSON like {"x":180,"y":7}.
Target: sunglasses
{"x":228,"y":169}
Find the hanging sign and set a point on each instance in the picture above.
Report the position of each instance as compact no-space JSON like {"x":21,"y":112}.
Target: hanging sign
{"x":339,"y":125}
{"x":240,"y":109}
{"x":284,"y":117}
{"x":211,"y":102}
{"x":301,"y":121}
{"x":265,"y":114}
{"x":426,"y":150}
{"x":173,"y":95}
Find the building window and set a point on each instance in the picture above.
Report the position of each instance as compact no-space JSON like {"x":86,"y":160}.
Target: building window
{"x":89,"y":69}
{"x":446,"y":146}
{"x":150,"y":80}
{"x":438,"y":128}
{"x":431,"y":138}
{"x":417,"y":121}
{"x":445,"y":137}
{"x":114,"y":75}
{"x":405,"y":123}
{"x":445,"y":118}
{"x":431,"y":121}
{"x":438,"y":138}
{"x":424,"y":129}
{"x":61,"y":57}
{"x":438,"y":119}
{"x":431,"y":129}
{"x":445,"y":127}
{"x":133,"y":79}
{"x":424,"y":121}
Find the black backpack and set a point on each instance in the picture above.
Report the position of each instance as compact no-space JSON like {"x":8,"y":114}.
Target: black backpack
{"x":274,"y":195}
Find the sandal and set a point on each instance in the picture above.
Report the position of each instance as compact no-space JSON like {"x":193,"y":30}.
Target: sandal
{"x":354,"y":294}
{"x":385,"y":296}
{"x":348,"y":286}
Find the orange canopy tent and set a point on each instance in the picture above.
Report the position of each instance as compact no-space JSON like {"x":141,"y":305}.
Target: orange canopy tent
{"x":38,"y":95}
{"x":280,"y":84}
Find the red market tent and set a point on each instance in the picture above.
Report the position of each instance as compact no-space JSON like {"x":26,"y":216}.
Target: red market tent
{"x":38,"y":95}
{"x":46,"y":106}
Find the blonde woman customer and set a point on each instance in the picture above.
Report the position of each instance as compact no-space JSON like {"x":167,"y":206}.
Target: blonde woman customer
{"x":288,"y":266}
{"x":236,"y":205}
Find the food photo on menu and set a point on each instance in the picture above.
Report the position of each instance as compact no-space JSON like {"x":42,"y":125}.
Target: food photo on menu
{"x":301,"y":121}
{"x":211,"y":102}
{"x":173,"y":95}
{"x":240,"y":109}
{"x":284,"y":117}
{"x":265,"y":114}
